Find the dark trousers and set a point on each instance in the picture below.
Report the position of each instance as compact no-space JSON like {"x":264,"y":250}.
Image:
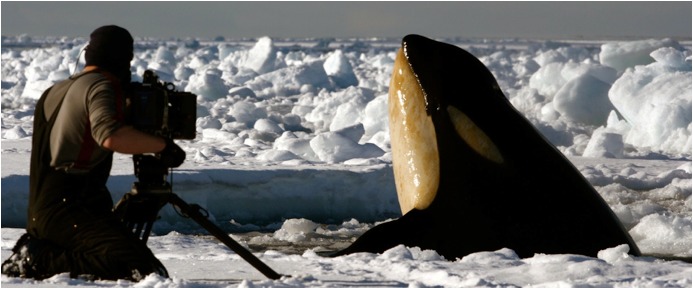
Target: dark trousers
{"x":101,"y":248}
{"x":83,"y":237}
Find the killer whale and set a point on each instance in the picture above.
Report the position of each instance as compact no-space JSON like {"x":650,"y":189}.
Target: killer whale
{"x":472,"y":174}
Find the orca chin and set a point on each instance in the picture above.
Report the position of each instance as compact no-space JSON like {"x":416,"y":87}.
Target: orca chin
{"x":472,"y":174}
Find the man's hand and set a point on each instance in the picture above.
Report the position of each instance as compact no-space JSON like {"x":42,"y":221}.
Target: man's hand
{"x":172,"y":156}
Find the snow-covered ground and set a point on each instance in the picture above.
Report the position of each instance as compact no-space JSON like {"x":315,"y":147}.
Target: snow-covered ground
{"x":292,"y":157}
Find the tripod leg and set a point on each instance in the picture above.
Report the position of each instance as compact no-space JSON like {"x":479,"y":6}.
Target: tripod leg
{"x":195,"y":214}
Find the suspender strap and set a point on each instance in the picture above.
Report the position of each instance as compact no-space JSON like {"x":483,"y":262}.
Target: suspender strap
{"x":86,"y":149}
{"x":40,"y":150}
{"x":51,"y":105}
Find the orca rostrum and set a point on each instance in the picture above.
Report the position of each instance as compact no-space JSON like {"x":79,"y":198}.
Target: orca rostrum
{"x":472,"y":174}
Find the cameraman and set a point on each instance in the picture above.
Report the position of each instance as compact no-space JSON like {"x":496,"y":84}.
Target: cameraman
{"x":78,"y":124}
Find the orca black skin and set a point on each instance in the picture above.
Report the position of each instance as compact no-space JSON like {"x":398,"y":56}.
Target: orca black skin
{"x":533,"y":201}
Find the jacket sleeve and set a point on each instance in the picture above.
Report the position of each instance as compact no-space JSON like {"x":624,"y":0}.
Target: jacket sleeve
{"x":104,"y":105}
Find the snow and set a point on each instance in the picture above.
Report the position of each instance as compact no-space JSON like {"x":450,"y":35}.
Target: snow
{"x":623,"y":55}
{"x":292,"y":157}
{"x":337,"y":66}
{"x":655,"y":99}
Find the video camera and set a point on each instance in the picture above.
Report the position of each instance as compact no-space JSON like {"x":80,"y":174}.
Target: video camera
{"x":157,"y":108}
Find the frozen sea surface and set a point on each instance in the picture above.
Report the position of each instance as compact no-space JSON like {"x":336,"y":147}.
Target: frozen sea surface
{"x":271,"y":112}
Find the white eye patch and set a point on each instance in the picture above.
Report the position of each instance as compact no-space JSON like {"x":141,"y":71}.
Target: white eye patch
{"x":474,"y":136}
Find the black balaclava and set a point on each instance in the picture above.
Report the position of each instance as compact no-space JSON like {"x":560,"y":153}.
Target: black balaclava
{"x":110,"y":48}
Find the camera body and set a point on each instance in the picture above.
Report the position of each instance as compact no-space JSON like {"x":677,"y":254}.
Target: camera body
{"x":158,"y":109}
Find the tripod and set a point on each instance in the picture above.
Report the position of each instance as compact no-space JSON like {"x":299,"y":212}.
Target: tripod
{"x":139,"y":208}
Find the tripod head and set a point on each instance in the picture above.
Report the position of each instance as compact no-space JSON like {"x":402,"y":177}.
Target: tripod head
{"x":149,"y":169}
